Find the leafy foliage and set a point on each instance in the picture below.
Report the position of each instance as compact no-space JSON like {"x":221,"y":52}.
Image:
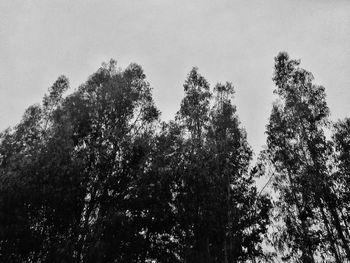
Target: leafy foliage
{"x":300,"y":155}
{"x":95,"y":176}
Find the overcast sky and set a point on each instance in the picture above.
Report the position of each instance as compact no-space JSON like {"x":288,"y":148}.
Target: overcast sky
{"x":228,"y":40}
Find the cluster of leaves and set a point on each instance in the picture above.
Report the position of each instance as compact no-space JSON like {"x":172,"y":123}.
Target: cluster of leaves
{"x":96,"y":177}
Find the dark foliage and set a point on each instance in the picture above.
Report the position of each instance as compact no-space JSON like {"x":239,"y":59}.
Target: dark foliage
{"x":95,"y":176}
{"x":311,"y":216}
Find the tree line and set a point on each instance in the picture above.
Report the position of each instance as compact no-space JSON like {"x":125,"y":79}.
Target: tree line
{"x":96,"y":176}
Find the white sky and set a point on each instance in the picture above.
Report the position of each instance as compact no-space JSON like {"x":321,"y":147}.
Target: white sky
{"x":228,"y":40}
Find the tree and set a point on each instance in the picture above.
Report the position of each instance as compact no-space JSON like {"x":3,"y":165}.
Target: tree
{"x":113,"y":118}
{"x":217,"y":204}
{"x":299,"y":153}
{"x":243,"y":212}
{"x":76,"y":164}
{"x":41,"y":193}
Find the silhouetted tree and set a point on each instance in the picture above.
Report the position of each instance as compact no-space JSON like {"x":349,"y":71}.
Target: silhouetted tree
{"x":221,"y":217}
{"x":300,"y":154}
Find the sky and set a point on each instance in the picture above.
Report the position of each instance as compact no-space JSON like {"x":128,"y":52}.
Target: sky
{"x":229,"y":40}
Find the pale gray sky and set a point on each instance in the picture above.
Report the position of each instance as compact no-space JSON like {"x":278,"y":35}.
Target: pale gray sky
{"x":228,"y":40}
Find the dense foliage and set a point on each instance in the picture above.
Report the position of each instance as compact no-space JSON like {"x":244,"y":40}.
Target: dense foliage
{"x":309,"y":170}
{"x":95,"y":176}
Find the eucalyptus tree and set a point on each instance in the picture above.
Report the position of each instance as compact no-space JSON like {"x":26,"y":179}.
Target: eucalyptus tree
{"x":243,"y":212}
{"x":41,"y":194}
{"x":113,"y":118}
{"x":71,"y":170}
{"x":299,"y":153}
{"x":221,"y":216}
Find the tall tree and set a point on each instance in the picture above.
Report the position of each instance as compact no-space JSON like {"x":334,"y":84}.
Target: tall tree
{"x":113,"y":115}
{"x":217,"y":203}
{"x":299,"y":153}
{"x":243,"y":213}
{"x":41,"y":190}
{"x":193,"y":118}
{"x":77,"y":164}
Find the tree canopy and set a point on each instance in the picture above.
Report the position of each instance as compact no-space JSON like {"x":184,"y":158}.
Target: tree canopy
{"x":96,"y":176}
